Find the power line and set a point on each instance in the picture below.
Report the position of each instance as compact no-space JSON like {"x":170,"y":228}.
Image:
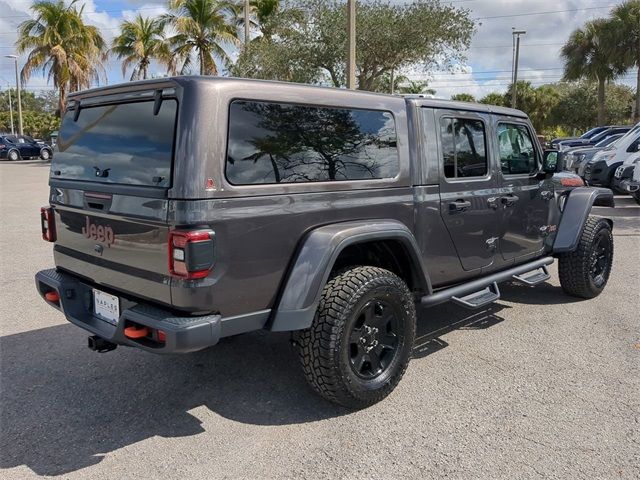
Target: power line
{"x":543,"y":13}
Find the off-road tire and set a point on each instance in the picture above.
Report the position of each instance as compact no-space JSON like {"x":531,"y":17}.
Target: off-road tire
{"x":575,"y":268}
{"x":325,"y":349}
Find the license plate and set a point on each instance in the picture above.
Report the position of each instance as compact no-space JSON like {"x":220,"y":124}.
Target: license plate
{"x":106,"y":306}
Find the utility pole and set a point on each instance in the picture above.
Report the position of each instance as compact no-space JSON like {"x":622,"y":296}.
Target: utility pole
{"x":13,"y":130}
{"x":15,"y":58}
{"x":246,"y":23}
{"x":514,"y":88}
{"x":351,"y":59}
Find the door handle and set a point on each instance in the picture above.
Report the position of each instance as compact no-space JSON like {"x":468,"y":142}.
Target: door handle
{"x":509,"y":200}
{"x":492,"y":202}
{"x":459,"y":205}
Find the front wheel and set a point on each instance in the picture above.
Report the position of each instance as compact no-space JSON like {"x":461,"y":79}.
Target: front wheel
{"x":585,"y":271}
{"x":636,"y":196}
{"x":359,"y":344}
{"x":45,"y":154}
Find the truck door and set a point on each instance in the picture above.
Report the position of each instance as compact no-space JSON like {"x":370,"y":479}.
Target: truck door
{"x":524,"y":199}
{"x":468,"y":187}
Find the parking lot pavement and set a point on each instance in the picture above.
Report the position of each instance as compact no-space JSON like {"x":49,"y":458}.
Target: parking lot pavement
{"x":540,"y":385}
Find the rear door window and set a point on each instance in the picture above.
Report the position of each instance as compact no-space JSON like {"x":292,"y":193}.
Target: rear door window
{"x":463,"y":147}
{"x":120,"y":143}
{"x":517,"y":153}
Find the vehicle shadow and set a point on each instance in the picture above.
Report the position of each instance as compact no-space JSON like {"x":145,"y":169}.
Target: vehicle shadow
{"x":63,"y":407}
{"x":439,"y":320}
{"x":541,"y":294}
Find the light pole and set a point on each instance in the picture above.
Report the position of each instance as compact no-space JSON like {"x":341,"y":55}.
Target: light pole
{"x":15,"y":59}
{"x":13,"y":130}
{"x":514,"y":89}
{"x":351,"y":59}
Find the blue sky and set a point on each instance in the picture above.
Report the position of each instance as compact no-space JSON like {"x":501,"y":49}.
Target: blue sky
{"x":488,"y":68}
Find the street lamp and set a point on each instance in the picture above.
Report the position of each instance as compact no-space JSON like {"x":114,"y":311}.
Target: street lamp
{"x":516,"y":41}
{"x":15,"y":59}
{"x":13,"y":130}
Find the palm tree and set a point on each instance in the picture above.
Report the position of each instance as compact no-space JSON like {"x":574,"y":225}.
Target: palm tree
{"x":141,"y":41}
{"x":625,"y":47}
{"x":585,"y":57}
{"x":63,"y":46}
{"x":203,"y":28}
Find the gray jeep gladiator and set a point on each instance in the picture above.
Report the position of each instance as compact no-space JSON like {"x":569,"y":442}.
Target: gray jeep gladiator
{"x":189,"y":209}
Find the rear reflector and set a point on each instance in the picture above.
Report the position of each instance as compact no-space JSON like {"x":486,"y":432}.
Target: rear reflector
{"x":48,"y":224}
{"x":191,"y":253}
{"x":572,"y":182}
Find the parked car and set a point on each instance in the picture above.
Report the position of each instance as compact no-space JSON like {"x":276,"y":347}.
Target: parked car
{"x":555,"y":143}
{"x":200,"y":208}
{"x":623,"y":176}
{"x":599,"y":171}
{"x":575,"y":157}
{"x":15,"y":147}
{"x":593,"y":140}
{"x":634,"y":185}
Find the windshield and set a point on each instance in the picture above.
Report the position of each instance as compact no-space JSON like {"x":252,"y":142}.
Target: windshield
{"x":608,"y":141}
{"x":122,"y":143}
{"x":592,"y":132}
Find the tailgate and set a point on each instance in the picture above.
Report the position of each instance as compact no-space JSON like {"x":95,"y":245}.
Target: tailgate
{"x":114,"y":248}
{"x":109,"y":177}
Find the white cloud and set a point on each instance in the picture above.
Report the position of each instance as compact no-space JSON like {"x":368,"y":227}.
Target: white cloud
{"x":489,"y":58}
{"x":490,"y":55}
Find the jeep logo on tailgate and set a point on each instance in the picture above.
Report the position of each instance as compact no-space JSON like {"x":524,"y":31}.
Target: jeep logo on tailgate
{"x":99,"y":233}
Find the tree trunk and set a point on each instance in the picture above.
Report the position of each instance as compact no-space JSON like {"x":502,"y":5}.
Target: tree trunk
{"x":601,"y":106}
{"x":62,"y":99}
{"x":636,"y":114}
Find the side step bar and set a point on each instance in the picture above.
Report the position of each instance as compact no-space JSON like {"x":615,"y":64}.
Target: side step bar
{"x":479,"y":299}
{"x":535,"y":277}
{"x":475,"y":289}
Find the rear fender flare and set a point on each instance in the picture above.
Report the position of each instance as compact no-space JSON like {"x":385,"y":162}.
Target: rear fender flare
{"x":577,"y":208}
{"x":300,"y":292}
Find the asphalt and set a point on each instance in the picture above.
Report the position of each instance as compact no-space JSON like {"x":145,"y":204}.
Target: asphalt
{"x":540,"y":385}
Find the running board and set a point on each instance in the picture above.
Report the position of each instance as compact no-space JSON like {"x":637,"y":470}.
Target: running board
{"x":536,"y":276}
{"x":476,"y":286}
{"x":479,"y":299}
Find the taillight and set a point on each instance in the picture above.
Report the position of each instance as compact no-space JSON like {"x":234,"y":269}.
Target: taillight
{"x":48,"y":224}
{"x":191,"y":253}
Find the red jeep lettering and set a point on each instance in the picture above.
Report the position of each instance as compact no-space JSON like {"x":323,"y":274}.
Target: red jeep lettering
{"x":99,"y":233}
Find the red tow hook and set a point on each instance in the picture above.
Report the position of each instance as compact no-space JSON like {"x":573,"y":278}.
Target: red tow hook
{"x":136,"y":332}
{"x":52,"y":296}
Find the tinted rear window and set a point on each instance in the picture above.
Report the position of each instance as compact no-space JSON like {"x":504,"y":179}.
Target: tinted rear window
{"x":123,"y":143}
{"x":283,"y":143}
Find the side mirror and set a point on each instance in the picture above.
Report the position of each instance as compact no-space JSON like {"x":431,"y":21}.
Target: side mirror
{"x":550,"y":162}
{"x":635,"y":146}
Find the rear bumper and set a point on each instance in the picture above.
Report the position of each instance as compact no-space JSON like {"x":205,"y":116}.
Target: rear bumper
{"x":182,"y":334}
